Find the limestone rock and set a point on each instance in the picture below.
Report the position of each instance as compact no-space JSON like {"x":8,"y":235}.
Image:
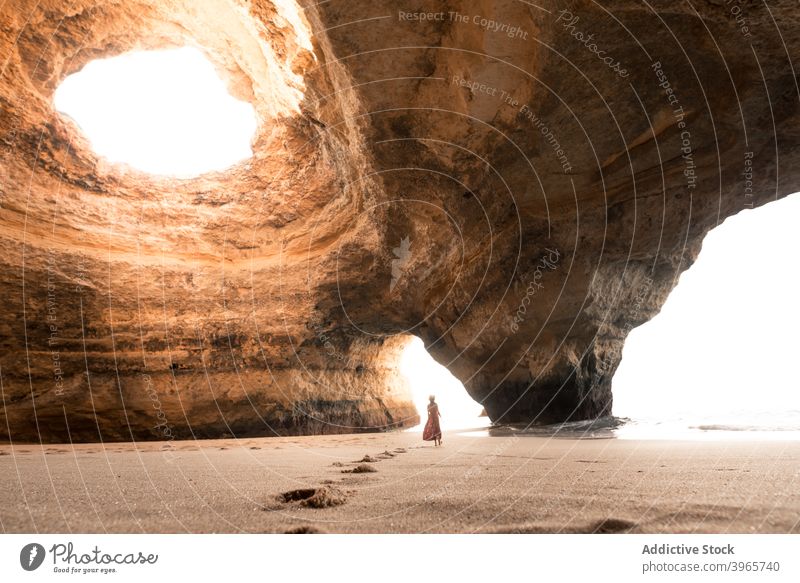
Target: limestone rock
{"x":518,"y":185}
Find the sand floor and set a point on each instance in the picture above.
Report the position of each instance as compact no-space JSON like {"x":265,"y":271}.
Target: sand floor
{"x":472,"y":484}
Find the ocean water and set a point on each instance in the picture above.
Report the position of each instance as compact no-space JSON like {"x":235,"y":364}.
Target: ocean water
{"x":768,"y":426}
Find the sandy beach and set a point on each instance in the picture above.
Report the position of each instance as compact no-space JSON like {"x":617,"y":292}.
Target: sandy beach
{"x":475,"y":483}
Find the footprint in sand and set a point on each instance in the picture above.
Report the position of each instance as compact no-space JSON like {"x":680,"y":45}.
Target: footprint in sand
{"x":605,"y":526}
{"x":304,"y":530}
{"x":367,"y":459}
{"x":611,"y":526}
{"x":322,"y":497}
{"x":361,"y":469}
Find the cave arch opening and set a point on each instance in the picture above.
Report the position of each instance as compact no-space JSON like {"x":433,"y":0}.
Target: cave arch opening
{"x":164,"y":112}
{"x":425,"y":376}
{"x":721,"y":355}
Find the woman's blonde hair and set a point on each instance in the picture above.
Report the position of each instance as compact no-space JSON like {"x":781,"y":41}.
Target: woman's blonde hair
{"x":431,"y":398}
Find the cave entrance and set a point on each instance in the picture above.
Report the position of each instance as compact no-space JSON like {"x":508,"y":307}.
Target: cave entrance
{"x":426,"y":377}
{"x":163,"y":112}
{"x":722,"y":354}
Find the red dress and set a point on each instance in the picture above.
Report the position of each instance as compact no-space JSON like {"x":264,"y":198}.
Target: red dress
{"x":432,"y":430}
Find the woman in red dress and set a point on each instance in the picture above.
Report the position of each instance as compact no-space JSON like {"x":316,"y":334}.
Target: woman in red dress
{"x":432,"y":431}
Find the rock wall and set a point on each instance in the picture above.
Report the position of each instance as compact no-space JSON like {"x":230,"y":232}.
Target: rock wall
{"x":518,"y":183}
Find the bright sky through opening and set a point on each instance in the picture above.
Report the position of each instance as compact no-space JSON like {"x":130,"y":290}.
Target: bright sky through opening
{"x":724,"y":349}
{"x":163,"y":112}
{"x":426,"y":377}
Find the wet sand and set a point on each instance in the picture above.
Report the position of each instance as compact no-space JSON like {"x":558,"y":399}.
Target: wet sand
{"x":472,"y":484}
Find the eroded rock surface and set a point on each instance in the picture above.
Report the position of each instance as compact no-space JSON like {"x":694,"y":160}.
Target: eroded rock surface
{"x":519,"y":184}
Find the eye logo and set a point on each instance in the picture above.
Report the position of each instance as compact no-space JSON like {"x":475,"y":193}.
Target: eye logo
{"x":31,"y":556}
